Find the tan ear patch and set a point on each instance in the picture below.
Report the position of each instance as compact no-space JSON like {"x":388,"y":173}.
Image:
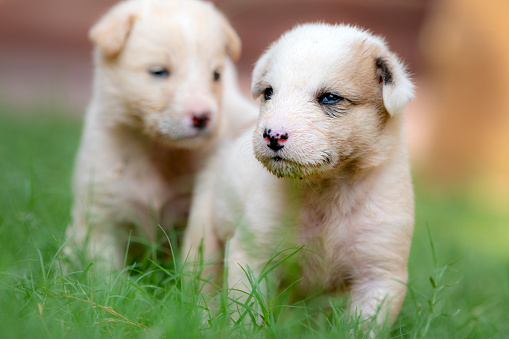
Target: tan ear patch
{"x":233,"y":43}
{"x":397,"y":87}
{"x":111,"y":32}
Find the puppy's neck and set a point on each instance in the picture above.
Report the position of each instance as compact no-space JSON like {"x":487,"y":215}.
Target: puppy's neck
{"x":170,"y":162}
{"x":177,"y":162}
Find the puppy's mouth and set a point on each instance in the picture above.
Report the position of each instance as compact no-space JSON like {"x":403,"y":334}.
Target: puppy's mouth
{"x":195,"y":134}
{"x":277,"y":159}
{"x":181,"y":139}
{"x":188,"y":140}
{"x":284,"y":167}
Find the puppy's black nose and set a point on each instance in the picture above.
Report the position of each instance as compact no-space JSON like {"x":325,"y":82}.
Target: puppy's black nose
{"x":200,"y":121}
{"x":275,"y":139}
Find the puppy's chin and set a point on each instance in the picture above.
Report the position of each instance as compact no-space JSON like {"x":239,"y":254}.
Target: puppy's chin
{"x":191,"y":139}
{"x":283,"y":167}
{"x":186,"y":143}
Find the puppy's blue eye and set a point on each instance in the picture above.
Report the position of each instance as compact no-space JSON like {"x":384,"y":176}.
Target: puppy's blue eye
{"x":159,"y":72}
{"x":267,"y":93}
{"x":329,"y":99}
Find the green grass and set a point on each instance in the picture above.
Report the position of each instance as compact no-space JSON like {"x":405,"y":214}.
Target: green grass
{"x":459,"y":277}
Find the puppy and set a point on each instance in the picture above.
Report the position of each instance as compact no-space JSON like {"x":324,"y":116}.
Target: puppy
{"x":155,"y":114}
{"x":329,"y":172}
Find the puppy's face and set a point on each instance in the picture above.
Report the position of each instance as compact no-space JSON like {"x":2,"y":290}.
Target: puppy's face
{"x":167,"y":72}
{"x":327,"y":94}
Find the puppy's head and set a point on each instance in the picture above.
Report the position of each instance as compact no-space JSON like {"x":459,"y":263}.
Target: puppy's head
{"x":159,"y":66}
{"x":331,"y":97}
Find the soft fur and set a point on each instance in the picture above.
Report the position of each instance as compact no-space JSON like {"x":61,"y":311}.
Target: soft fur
{"x":340,"y":186}
{"x":162,"y":72}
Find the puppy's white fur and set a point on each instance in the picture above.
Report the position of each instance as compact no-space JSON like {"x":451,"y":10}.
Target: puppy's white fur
{"x":155,"y":71}
{"x":340,"y":186}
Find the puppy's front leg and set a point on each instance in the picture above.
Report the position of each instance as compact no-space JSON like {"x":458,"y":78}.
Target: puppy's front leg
{"x":379,"y":293}
{"x":202,"y":253}
{"x":107,"y":247}
{"x":202,"y":250}
{"x":244,"y":268}
{"x":98,"y":239}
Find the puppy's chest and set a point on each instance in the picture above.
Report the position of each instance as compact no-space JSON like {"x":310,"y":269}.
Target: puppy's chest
{"x":156,"y":188}
{"x":327,"y":262}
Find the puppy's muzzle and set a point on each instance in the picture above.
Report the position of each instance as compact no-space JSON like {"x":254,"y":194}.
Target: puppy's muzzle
{"x":275,"y":139}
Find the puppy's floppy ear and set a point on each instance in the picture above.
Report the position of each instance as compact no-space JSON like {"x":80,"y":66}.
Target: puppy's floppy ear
{"x":397,"y":88}
{"x":258,"y":82}
{"x":233,"y":43}
{"x":111,"y":31}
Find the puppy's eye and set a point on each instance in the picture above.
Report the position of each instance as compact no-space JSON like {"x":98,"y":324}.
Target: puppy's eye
{"x":267,"y":93}
{"x":159,"y":72}
{"x":329,"y":99}
{"x":216,"y":76}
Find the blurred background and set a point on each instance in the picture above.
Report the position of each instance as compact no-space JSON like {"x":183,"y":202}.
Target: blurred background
{"x":456,"y":50}
{"x":458,"y":132}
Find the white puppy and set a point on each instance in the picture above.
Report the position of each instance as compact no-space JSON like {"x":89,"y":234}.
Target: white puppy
{"x":329,"y":172}
{"x":155,"y":114}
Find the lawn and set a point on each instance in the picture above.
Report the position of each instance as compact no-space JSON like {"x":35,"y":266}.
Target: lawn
{"x":459,"y":264}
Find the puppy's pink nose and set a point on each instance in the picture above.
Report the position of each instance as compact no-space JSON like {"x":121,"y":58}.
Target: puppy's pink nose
{"x":275,"y":138}
{"x":200,"y":120}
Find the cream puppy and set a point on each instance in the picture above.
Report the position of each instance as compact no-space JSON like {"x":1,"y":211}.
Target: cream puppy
{"x":329,"y":172}
{"x":156,"y":111}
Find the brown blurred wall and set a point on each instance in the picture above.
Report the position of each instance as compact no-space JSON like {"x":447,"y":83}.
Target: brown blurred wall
{"x":465,"y":48}
{"x":45,"y":54}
